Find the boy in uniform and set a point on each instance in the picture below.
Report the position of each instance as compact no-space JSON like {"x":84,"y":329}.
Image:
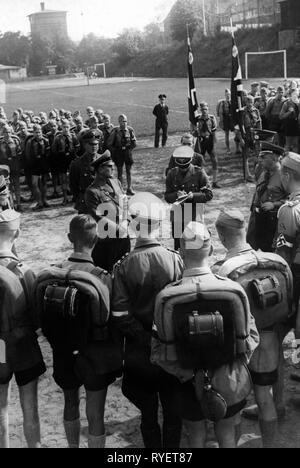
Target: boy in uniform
{"x":20,"y":354}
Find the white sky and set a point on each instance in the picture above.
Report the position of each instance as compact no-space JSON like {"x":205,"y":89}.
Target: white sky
{"x":103,"y":17}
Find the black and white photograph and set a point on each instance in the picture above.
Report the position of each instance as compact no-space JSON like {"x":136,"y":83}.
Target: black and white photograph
{"x":150,"y":226}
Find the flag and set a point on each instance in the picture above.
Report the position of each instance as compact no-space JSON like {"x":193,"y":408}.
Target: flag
{"x":192,"y":96}
{"x":237,"y":94}
{"x":236,"y":85}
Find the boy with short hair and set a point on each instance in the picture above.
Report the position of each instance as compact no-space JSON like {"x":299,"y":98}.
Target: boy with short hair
{"x":104,"y":357}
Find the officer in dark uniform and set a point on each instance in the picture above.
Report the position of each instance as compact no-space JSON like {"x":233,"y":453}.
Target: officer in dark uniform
{"x":105,"y":201}
{"x":138,"y":278}
{"x":269,"y":196}
{"x":82,"y":174}
{"x":288,"y":242}
{"x":187,"y":188}
{"x":10,"y":155}
{"x":161,"y":112}
{"x":187,"y":140}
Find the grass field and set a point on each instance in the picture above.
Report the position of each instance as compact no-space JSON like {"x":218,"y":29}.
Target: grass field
{"x":135,"y":98}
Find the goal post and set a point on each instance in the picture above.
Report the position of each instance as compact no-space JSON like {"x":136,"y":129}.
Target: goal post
{"x":97,"y":66}
{"x":283,"y":52}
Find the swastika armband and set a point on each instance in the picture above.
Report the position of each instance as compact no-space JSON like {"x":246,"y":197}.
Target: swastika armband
{"x":283,"y":242}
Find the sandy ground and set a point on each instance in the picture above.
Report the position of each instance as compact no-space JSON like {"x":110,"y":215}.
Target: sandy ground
{"x":43,"y":242}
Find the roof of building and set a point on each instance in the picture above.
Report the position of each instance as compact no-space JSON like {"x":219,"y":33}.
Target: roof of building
{"x":9,"y":67}
{"x":47,"y":11}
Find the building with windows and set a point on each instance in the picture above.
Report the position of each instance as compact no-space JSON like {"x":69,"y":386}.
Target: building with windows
{"x":48,"y":24}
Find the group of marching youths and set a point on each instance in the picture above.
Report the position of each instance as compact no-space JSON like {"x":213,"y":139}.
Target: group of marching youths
{"x":183,"y":332}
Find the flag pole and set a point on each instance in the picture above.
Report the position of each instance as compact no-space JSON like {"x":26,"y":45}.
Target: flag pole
{"x":239,"y":109}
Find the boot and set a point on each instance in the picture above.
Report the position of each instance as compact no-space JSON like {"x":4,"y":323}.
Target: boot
{"x":269,"y":433}
{"x":171,"y":435}
{"x":96,"y":441}
{"x":151,"y":436}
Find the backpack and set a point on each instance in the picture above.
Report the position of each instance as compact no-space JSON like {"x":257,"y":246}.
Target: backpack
{"x":268,"y":283}
{"x":16,"y":329}
{"x":74,"y":307}
{"x":200,"y":325}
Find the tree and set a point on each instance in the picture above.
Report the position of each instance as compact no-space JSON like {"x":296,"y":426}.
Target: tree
{"x":93,"y":49}
{"x":41,"y":51}
{"x":185,"y":12}
{"x":152,"y":36}
{"x":62,"y":54}
{"x":128,"y":44}
{"x":14,"y":49}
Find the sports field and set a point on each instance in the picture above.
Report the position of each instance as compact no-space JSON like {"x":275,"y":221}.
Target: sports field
{"x":135,"y":97}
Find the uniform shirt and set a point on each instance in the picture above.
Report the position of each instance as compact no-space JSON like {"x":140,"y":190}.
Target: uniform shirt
{"x":161,"y":113}
{"x":106,"y":191}
{"x":10,"y":152}
{"x":206,"y":126}
{"x":122,"y":139}
{"x":65,"y":145}
{"x":274,"y":107}
{"x":261,"y":104}
{"x":81,"y":176}
{"x":290,"y":120}
{"x":251,"y":118}
{"x":272,"y":192}
{"x":288,"y":242}
{"x":138,"y":278}
{"x":223,"y":108}
{"x":36,"y":151}
{"x":106,"y":131}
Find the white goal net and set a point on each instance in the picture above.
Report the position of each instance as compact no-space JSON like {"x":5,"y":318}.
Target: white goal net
{"x":279,"y":53}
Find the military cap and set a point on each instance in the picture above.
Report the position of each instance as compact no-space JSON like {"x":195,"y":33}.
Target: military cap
{"x":255,"y":84}
{"x":102,"y":160}
{"x":231,"y":218}
{"x":195,"y":236}
{"x":264,"y":135}
{"x":264,"y":84}
{"x":162,"y":96}
{"x":183,"y":152}
{"x":145,"y":207}
{"x":9,"y":220}
{"x":90,"y":137}
{"x":203,"y":104}
{"x":292,"y":161}
{"x":187,"y":139}
{"x":183,"y":155}
{"x":267,"y":147}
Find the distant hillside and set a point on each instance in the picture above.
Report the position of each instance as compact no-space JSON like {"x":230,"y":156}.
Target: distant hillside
{"x":212,"y":57}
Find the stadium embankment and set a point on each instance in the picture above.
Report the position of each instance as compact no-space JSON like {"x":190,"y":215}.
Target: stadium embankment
{"x":212,"y":57}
